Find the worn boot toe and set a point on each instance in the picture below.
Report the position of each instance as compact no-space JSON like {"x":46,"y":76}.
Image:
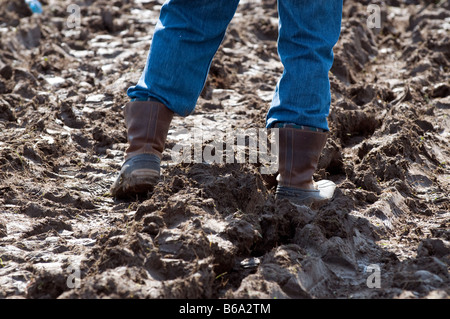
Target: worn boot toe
{"x":138,"y":175}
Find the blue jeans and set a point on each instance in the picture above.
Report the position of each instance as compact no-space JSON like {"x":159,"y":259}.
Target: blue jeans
{"x":189,"y":32}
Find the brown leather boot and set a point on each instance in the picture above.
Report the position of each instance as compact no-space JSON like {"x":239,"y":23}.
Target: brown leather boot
{"x":147,"y":125}
{"x":299,"y":153}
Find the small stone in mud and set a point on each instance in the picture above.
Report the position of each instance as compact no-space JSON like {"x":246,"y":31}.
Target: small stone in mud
{"x":24,"y":90}
{"x":251,"y":262}
{"x":96,"y":98}
{"x":6,"y":72}
{"x":108,"y":20}
{"x":443,"y":103}
{"x":5,"y":112}
{"x":177,"y":184}
{"x":55,"y":81}
{"x":2,"y":88}
{"x":440,"y":90}
{"x":3,"y":230}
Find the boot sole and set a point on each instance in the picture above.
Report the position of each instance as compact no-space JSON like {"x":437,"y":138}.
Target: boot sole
{"x":313,"y":199}
{"x":139,"y":181}
{"x":138,"y":175}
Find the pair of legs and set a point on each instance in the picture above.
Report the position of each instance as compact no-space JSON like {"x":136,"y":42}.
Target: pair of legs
{"x":185,"y":40}
{"x":189,"y":33}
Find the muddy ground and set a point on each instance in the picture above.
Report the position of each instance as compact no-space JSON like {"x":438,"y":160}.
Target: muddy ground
{"x":216,"y":231}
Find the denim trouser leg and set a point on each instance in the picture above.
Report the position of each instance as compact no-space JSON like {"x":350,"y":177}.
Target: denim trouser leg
{"x":189,"y":33}
{"x":308,"y":31}
{"x":185,"y":40}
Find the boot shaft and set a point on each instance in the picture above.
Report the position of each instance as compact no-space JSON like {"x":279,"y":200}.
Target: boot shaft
{"x":299,"y":154}
{"x":147,"y":125}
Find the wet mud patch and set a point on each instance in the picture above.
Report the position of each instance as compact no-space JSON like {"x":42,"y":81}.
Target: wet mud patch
{"x":216,"y":231}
